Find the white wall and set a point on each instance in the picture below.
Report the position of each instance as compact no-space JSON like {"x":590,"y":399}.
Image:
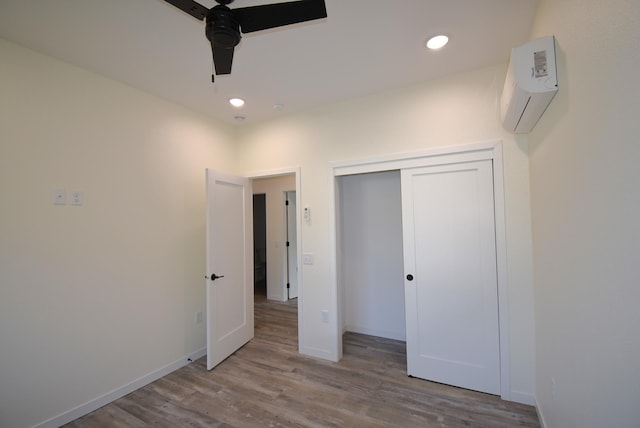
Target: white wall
{"x":372,"y":267}
{"x":585,"y":191}
{"x":451,"y":111}
{"x":93,"y":297}
{"x":274,"y":188}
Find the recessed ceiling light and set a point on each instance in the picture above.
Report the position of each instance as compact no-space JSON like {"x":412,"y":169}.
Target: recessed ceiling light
{"x":437,"y":42}
{"x":236,"y":102}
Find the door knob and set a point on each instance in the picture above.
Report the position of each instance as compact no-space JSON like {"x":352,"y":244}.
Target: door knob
{"x":409,"y":277}
{"x":214,"y":276}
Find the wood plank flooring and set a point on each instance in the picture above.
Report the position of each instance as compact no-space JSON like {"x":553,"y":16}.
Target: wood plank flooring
{"x":267,"y":383}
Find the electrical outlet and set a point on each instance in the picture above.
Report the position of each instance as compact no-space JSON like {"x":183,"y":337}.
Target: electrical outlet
{"x":324,"y":315}
{"x":199,"y":317}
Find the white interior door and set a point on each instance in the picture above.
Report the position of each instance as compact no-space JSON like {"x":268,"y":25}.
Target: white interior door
{"x":451,"y":297}
{"x":229,"y":265}
{"x":292,"y":247}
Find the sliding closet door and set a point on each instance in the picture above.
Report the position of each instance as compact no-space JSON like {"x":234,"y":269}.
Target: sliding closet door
{"x":451,"y":297}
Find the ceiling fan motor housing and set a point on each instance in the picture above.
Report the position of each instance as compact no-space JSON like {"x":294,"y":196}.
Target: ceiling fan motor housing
{"x":223,"y":24}
{"x":222,"y":28}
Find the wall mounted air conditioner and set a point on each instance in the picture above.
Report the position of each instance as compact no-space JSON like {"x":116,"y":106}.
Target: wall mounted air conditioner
{"x":530,"y":85}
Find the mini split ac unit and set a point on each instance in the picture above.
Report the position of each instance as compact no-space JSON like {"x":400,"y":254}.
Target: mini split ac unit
{"x":530,"y":85}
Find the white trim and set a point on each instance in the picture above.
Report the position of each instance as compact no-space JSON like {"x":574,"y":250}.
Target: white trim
{"x":336,"y":290}
{"x":322,"y":354}
{"x":272,"y":172}
{"x":387,"y":334}
{"x":543,"y":424}
{"x":120,"y":392}
{"x":438,"y":156}
{"x":433,"y":156}
{"x":502,"y":273}
{"x":523,"y":398}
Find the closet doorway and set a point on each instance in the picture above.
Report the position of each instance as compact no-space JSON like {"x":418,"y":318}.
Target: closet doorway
{"x":371,"y":254}
{"x":425,"y":230}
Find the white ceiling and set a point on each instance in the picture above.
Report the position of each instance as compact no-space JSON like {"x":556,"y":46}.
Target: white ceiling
{"x":363,"y":47}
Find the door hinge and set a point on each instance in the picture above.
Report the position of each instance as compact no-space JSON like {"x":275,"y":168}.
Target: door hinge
{"x":287,"y":243}
{"x":286,"y":203}
{"x":288,"y":285}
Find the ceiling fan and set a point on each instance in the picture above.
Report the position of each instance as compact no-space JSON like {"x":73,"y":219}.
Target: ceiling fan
{"x":225,"y":25}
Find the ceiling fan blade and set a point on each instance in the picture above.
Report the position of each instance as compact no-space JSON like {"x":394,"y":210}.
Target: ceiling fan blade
{"x":256,"y":18}
{"x":222,"y":59}
{"x":191,"y":7}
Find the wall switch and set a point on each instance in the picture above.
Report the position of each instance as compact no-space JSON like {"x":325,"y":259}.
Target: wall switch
{"x":324,"y":315}
{"x":60,"y":197}
{"x":307,"y":259}
{"x":307,"y":214}
{"x":199,"y":317}
{"x":76,"y":197}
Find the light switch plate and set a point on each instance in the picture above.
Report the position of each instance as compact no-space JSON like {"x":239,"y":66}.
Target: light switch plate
{"x":307,"y":259}
{"x":76,"y":197}
{"x":59,"y":197}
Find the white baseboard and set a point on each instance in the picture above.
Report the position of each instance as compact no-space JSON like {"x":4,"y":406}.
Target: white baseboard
{"x":276,"y":297}
{"x":523,"y":398}
{"x":395,"y":335}
{"x":120,"y":392}
{"x":543,"y":424}
{"x":318,"y":353}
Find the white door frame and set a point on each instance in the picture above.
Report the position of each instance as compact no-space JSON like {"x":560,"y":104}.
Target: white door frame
{"x":435,"y":156}
{"x":287,"y":264}
{"x":296,"y":171}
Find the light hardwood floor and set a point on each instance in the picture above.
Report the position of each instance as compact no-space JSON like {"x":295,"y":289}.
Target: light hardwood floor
{"x":267,"y":383}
